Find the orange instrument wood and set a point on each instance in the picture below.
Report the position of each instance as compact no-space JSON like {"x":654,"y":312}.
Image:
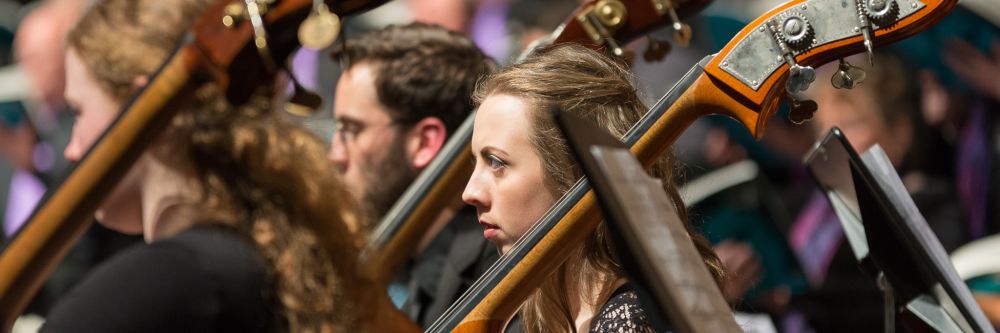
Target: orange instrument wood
{"x":765,"y":63}
{"x":597,"y":24}
{"x":228,"y":47}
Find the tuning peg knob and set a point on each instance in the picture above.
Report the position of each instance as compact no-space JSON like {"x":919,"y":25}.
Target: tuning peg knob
{"x":611,"y":13}
{"x":656,"y":49}
{"x":682,"y":34}
{"x":802,"y":111}
{"x":234,"y":14}
{"x":847,"y":76}
{"x":799,"y":78}
{"x":881,"y":12}
{"x":303,"y":102}
{"x":797,"y":33}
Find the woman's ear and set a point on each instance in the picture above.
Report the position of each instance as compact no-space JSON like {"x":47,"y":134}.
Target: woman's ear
{"x":140,"y":81}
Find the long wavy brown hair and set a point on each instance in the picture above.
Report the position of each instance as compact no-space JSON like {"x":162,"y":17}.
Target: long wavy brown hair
{"x":256,"y":173}
{"x":587,"y":84}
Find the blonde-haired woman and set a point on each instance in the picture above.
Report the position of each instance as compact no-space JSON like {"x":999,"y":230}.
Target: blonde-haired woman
{"x":523,"y":166}
{"x":228,"y":198}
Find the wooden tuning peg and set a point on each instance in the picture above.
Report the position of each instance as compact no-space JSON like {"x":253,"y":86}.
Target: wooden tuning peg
{"x":656,"y":49}
{"x":801,"y":110}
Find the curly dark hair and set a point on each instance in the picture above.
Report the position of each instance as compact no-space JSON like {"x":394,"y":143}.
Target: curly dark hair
{"x":421,"y":70}
{"x":257,"y":173}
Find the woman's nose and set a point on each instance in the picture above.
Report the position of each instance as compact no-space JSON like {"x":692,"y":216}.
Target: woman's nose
{"x":475,"y":194}
{"x":73,"y":151}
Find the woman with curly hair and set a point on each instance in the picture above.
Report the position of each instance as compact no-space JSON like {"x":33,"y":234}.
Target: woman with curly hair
{"x":230,"y":200}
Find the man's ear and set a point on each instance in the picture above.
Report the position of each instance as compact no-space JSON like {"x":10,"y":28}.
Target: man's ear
{"x":425,"y":141}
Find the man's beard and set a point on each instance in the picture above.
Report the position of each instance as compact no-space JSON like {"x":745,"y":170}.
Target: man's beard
{"x":386,"y":180}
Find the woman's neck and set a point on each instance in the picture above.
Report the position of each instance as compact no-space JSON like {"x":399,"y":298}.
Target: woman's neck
{"x":588,"y":303}
{"x":164,"y":190}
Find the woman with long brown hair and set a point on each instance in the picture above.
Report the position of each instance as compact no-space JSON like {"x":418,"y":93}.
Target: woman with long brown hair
{"x":228,"y":198}
{"x":523,"y":165}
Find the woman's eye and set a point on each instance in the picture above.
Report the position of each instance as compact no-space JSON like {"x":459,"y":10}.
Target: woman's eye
{"x":495,"y":162}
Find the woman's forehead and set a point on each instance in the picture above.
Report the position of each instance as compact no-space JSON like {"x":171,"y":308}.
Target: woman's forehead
{"x":501,"y":120}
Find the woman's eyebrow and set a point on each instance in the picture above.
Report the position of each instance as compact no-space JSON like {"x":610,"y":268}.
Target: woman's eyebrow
{"x":493,"y":150}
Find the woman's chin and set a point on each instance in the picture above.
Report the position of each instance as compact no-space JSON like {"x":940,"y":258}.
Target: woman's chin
{"x":501,"y":247}
{"x":504,"y":248}
{"x":122,"y":225}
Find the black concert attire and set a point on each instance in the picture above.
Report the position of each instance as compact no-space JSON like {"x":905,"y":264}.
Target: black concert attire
{"x":622,"y":313}
{"x":205,"y":279}
{"x":454,"y":259}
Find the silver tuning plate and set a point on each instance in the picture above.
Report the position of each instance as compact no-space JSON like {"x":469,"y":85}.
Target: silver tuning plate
{"x":756,"y":57}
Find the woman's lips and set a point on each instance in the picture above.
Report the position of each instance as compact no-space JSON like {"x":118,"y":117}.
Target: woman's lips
{"x":489,"y":230}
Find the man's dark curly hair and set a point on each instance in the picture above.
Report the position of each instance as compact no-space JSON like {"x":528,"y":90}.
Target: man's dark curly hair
{"x":421,"y":70}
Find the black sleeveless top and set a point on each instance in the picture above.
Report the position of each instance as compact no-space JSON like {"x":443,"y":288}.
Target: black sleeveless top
{"x":205,"y":279}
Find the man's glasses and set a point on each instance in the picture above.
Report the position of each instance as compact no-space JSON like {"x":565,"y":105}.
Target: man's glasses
{"x":350,"y":129}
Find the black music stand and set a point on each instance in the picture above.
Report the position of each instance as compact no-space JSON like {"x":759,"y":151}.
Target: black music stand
{"x":658,"y":256}
{"x":892,"y":241}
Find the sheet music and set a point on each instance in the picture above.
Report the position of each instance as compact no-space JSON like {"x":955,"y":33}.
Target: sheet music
{"x":878,"y":163}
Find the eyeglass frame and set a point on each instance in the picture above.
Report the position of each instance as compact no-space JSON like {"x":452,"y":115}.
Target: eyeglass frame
{"x":340,"y":128}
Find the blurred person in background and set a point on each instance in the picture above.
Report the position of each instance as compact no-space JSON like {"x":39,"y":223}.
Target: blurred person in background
{"x":970,"y":108}
{"x":248,"y":228}
{"x":885,"y":110}
{"x":742,"y":213}
{"x":33,"y":131}
{"x":404,"y":91}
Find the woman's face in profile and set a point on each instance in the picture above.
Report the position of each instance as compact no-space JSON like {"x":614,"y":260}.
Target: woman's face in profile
{"x":94,"y":110}
{"x":507,"y":184}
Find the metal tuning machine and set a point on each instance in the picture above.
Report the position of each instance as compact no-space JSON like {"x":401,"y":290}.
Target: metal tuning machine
{"x":601,"y":20}
{"x":880,"y":12}
{"x":682,"y":31}
{"x":320,"y":29}
{"x":253,"y":11}
{"x":793,"y":33}
{"x":847,"y":76}
{"x":302,"y":102}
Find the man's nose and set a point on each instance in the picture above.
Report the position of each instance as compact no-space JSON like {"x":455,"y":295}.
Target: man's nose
{"x":338,"y":153}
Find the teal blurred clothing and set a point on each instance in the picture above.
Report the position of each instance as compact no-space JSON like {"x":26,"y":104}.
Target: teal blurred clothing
{"x":987,"y":284}
{"x":746,"y":213}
